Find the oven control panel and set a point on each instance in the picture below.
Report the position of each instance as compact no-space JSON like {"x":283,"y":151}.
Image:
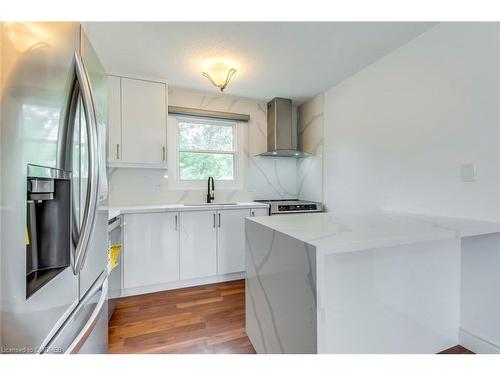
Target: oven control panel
{"x":290,"y":207}
{"x":297,"y":207}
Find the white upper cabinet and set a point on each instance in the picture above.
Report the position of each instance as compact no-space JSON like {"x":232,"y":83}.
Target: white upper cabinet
{"x":144,"y":122}
{"x":137,"y":118}
{"x":114,"y":119}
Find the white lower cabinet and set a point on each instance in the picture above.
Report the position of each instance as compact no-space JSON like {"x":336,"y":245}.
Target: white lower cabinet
{"x":151,"y":249}
{"x":167,"y":247}
{"x":198,"y":244}
{"x":259,"y":212}
{"x":231,"y":240}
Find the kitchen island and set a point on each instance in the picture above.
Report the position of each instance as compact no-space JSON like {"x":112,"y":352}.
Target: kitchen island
{"x":379,"y":283}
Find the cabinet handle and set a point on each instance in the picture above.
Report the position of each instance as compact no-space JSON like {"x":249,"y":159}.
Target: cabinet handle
{"x":252,"y":213}
{"x":214,"y":220}
{"x":176,"y":223}
{"x":118,"y":151}
{"x":163,"y":153}
{"x":219,"y":219}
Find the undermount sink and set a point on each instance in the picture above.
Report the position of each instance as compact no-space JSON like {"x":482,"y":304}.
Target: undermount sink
{"x":211,"y":204}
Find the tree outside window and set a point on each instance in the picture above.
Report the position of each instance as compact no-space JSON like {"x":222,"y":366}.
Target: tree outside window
{"x":206,"y":148}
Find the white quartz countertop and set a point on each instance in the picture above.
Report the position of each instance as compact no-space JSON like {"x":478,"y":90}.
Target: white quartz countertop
{"x":117,"y":210}
{"x":337,"y":233}
{"x":113,"y":212}
{"x":463,"y":227}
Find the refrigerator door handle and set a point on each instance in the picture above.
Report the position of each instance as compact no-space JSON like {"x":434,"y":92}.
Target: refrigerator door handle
{"x":93,"y":159}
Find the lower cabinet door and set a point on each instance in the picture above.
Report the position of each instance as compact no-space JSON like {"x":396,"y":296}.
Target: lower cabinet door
{"x":231,"y":240}
{"x":259,"y":212}
{"x":198,"y":244}
{"x":151,"y":249}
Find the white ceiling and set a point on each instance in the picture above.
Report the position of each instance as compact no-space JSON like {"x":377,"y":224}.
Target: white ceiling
{"x":289,"y":59}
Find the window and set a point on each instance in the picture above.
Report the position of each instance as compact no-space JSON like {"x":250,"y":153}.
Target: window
{"x":206,"y":148}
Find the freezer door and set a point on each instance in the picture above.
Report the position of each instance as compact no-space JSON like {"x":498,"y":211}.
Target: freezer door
{"x":86,"y":329}
{"x":37,"y":78}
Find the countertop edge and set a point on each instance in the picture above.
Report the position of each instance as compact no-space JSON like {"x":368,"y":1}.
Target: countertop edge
{"x":321,"y":244}
{"x":119,"y":210}
{"x":445,"y":228}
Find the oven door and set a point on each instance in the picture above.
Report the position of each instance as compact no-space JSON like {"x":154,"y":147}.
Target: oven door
{"x":86,"y":329}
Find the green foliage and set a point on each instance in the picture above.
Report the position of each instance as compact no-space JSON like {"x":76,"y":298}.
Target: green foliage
{"x":207,"y":139}
{"x":199,"y":166}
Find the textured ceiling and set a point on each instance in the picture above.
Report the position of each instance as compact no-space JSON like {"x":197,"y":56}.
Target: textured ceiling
{"x":289,"y":59}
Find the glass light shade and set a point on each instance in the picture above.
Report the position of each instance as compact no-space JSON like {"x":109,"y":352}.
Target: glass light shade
{"x":220,"y":75}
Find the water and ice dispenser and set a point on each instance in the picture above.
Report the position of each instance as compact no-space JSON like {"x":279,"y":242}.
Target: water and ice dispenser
{"x":48,"y":226}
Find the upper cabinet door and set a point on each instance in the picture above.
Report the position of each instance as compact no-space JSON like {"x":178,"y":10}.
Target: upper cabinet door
{"x":144,"y":122}
{"x":114,"y":119}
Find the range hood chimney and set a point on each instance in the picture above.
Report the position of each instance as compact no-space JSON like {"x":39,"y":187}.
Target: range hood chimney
{"x":281,"y":136}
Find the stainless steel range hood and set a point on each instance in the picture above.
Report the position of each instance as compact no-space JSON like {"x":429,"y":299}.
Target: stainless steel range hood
{"x":281,"y":134}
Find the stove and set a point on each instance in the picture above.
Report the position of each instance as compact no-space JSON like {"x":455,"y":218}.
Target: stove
{"x":291,"y":206}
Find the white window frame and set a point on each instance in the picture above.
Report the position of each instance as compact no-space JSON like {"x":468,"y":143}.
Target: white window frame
{"x":175,"y":183}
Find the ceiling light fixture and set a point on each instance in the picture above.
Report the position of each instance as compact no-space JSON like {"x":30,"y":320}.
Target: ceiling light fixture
{"x":220,"y":75}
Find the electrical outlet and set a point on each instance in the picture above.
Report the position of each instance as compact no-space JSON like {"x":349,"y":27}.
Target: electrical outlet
{"x":467,"y":173}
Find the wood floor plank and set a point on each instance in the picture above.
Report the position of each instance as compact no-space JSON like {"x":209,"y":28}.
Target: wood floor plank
{"x":456,"y":350}
{"x":206,"y":319}
{"x":197,"y":302}
{"x":203,"y":319}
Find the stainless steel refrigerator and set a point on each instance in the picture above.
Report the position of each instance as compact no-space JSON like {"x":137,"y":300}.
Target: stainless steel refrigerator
{"x":53,"y":184}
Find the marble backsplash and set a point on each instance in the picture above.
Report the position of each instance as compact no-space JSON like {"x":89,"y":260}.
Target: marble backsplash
{"x":310,"y":139}
{"x":264,"y":177}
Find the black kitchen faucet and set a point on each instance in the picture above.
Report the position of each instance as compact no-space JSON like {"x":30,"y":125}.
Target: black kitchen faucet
{"x":211,"y":193}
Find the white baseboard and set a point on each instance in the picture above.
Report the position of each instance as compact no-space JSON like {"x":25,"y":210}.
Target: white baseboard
{"x":476,"y":344}
{"x":181,"y":284}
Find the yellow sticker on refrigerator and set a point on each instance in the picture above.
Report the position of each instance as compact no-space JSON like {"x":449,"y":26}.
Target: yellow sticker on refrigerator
{"x":114,"y":255}
{"x":26,"y":237}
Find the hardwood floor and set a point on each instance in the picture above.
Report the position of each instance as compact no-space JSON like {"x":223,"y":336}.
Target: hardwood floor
{"x":201,"y":319}
{"x":456,"y":350}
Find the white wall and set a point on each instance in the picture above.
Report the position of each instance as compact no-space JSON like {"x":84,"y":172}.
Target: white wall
{"x":397,"y":132}
{"x":264,"y":177}
{"x":310,"y":139}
